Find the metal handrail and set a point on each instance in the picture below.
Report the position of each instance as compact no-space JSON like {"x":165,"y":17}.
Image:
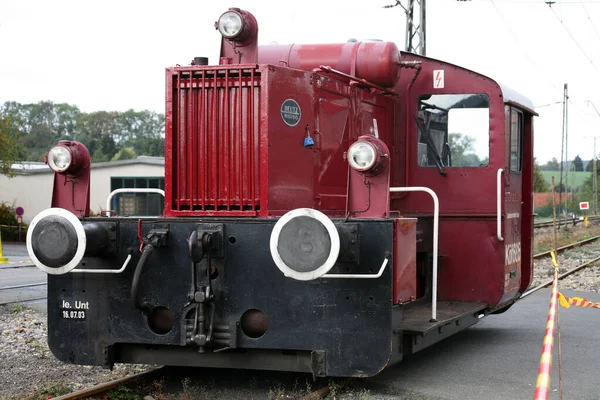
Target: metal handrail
{"x":361,"y":276}
{"x":117,"y":191}
{"x":436,"y":222}
{"x":499,"y":205}
{"x":105,"y":271}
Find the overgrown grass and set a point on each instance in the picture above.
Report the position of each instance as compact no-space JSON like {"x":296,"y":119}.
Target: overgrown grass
{"x":566,"y":235}
{"x":49,"y":390}
{"x":17,"y":308}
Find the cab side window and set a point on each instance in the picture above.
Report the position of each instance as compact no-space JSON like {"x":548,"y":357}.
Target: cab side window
{"x":453,"y":130}
{"x":516,"y":140}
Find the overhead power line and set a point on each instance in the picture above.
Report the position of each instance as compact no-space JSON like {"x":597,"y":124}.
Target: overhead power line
{"x":523,"y":49}
{"x":572,"y":37}
{"x":590,"y":19}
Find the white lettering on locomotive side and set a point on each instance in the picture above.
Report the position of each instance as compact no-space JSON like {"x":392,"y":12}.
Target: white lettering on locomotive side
{"x":82,"y":305}
{"x":75,"y":310}
{"x":512,"y":253}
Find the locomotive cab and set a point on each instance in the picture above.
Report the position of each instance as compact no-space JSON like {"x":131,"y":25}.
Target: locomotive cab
{"x":318,"y":215}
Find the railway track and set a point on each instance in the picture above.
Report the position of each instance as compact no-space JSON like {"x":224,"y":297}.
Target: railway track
{"x":146,"y":379}
{"x":564,"y":221}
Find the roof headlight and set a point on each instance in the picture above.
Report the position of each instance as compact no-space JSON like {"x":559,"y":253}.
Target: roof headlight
{"x":59,"y":158}
{"x":362,"y":156}
{"x":230,"y":24}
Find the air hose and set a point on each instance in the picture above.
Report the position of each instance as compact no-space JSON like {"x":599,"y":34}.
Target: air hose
{"x":144,"y":306}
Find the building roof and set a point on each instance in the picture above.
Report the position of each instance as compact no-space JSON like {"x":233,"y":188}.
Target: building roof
{"x":31,"y":167}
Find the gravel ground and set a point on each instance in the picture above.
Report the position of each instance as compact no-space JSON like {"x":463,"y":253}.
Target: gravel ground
{"x":28,"y":367}
{"x":588,"y":279}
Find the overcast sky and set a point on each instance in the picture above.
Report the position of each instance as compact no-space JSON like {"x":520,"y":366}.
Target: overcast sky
{"x":111,"y":55}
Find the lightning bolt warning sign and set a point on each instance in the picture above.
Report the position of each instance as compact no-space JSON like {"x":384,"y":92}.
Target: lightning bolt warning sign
{"x":438,"y":78}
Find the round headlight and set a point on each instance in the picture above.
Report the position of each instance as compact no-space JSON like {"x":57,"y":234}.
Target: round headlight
{"x":362,"y":156}
{"x":59,"y":158}
{"x":230,"y":24}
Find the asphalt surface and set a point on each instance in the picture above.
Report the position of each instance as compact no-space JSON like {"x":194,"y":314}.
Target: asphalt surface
{"x":496,"y":359}
{"x":20,"y":271}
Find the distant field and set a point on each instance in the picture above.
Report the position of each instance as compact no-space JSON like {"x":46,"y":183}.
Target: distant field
{"x":576,"y":179}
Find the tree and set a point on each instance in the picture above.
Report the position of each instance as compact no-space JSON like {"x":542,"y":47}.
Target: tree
{"x":126,"y":153}
{"x":11,"y":148}
{"x":539,"y":183}
{"x":462,"y":151}
{"x":590,"y":165}
{"x":578,"y":163}
{"x":551,"y":165}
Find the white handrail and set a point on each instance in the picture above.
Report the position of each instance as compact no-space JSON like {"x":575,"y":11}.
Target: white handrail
{"x":499,"y":205}
{"x":105,"y":271}
{"x":361,"y":276}
{"x":117,"y":191}
{"x":436,"y":221}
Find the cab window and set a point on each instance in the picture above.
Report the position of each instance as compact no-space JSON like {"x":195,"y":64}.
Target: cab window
{"x":516,"y":140}
{"x":453,"y":130}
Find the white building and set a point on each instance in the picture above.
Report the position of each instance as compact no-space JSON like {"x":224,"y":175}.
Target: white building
{"x":31,"y":188}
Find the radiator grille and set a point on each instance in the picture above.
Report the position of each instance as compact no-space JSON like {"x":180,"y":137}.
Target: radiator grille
{"x":216,"y":140}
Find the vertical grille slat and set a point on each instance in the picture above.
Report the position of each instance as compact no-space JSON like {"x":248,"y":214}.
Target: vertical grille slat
{"x":216,"y":141}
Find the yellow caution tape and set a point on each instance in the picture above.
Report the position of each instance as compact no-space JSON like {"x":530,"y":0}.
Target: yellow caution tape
{"x":567,"y":302}
{"x":553,"y":254}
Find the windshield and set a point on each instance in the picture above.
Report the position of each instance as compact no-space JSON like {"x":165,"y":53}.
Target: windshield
{"x":453,"y":130}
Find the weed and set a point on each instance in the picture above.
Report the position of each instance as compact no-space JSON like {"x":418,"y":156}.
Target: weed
{"x":365,"y":395}
{"x":17,"y":308}
{"x":49,"y":390}
{"x":122,"y":392}
{"x":158,"y":387}
{"x":191,"y":391}
{"x":276,"y":393}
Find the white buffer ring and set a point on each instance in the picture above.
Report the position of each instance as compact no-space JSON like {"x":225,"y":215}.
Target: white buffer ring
{"x":333,"y":253}
{"x":81,"y":240}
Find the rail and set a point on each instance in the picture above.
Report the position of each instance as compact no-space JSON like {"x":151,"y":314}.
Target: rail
{"x":563,"y":221}
{"x":436,"y":222}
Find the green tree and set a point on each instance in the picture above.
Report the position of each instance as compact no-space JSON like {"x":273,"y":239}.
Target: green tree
{"x":126,"y":153}
{"x":590,"y":165}
{"x":462,"y":151}
{"x":551,"y":165}
{"x":11,"y":148}
{"x":539,"y":183}
{"x":578,"y":163}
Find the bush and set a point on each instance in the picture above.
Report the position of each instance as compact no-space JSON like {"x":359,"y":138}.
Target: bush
{"x":7,"y":214}
{"x":546,"y":211}
{"x":10,"y":230}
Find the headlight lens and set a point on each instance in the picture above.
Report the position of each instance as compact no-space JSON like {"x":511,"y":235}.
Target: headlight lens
{"x":230,"y":24}
{"x":362,"y":156}
{"x":59,"y":158}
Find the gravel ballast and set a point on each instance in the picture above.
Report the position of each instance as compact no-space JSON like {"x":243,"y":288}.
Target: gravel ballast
{"x":27,"y":365}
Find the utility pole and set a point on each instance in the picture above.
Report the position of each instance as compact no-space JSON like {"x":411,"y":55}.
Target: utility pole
{"x":566,"y":128}
{"x":595,"y":170}
{"x":563,"y":155}
{"x":415,"y":25}
{"x":415,"y":34}
{"x":595,"y":176}
{"x":595,"y":182}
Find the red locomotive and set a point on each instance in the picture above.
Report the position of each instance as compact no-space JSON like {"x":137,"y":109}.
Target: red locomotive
{"x":328,"y":209}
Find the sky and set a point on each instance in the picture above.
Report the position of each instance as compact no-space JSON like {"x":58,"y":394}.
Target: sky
{"x":111,"y":55}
